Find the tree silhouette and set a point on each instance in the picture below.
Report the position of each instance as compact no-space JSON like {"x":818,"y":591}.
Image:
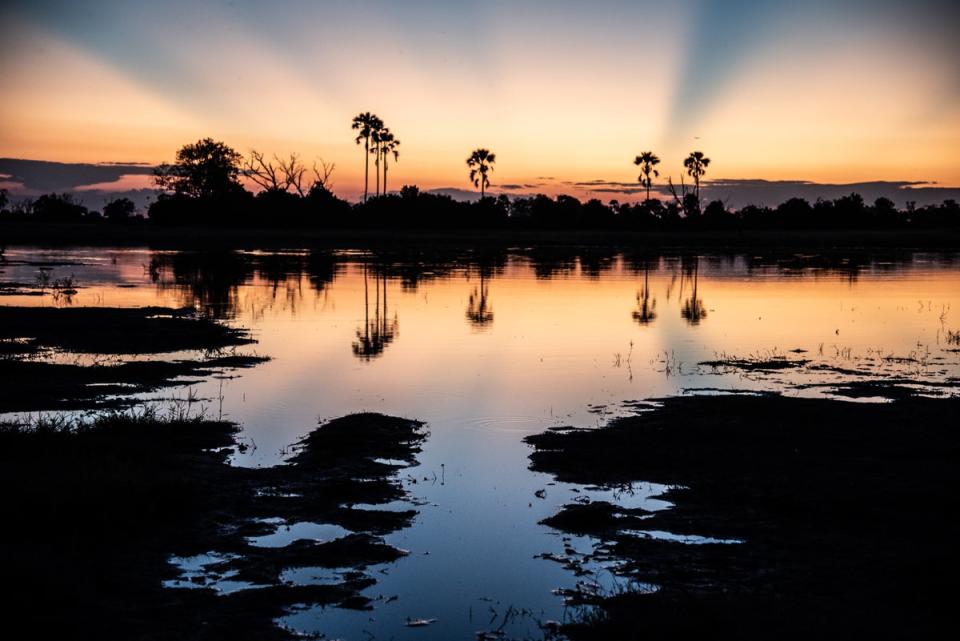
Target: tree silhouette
{"x":647,"y":160}
{"x":279,"y":174}
{"x":696,"y":164}
{"x":365,"y":124}
{"x":205,"y":169}
{"x":119,"y":210}
{"x":375,"y":151}
{"x":388,"y":146}
{"x":481,"y":163}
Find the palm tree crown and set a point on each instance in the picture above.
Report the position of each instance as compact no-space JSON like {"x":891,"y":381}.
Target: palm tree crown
{"x":481,"y":163}
{"x":647,"y":160}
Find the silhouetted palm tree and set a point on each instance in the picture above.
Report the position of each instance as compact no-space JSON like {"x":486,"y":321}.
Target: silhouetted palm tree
{"x":647,"y":160}
{"x":481,"y":163}
{"x":377,"y":138}
{"x":366,"y":123}
{"x":388,"y":146}
{"x":696,"y":164}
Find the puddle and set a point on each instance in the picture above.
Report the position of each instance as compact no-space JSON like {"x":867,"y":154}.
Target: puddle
{"x":195,"y":573}
{"x":286,"y":534}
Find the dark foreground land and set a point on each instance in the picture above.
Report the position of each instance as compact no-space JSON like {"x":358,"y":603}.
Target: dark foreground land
{"x":94,"y":512}
{"x":846,"y":513}
{"x":78,"y":234}
{"x":96,"y":509}
{"x":110,"y":336}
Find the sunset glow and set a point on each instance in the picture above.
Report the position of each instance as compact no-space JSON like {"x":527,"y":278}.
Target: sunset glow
{"x":562,"y":90}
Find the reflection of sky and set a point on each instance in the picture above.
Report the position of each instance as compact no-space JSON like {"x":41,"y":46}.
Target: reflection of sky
{"x":816,"y":90}
{"x":548,"y":358}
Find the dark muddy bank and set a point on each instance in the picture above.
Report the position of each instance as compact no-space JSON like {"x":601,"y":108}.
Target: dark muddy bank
{"x":32,"y":382}
{"x":40,"y":386}
{"x":111,"y":330}
{"x":843,"y":512}
{"x":95,"y":513}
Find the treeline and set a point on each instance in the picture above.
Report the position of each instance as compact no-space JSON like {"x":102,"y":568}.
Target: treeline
{"x":205,"y":187}
{"x":414,"y":209}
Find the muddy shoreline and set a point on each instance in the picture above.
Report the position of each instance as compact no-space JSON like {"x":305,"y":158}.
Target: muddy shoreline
{"x":111,"y":510}
{"x":821,"y":517}
{"x":42,"y":350}
{"x":101,"y":508}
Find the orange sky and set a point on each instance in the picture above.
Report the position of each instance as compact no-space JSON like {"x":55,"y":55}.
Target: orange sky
{"x":564,"y":94}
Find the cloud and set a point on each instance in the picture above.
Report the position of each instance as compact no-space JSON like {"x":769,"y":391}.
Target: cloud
{"x":514,"y":186}
{"x":40,"y":176}
{"x":456,"y":193}
{"x":605,"y":183}
{"x":740,"y":193}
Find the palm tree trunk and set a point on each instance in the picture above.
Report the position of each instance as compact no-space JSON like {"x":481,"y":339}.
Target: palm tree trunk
{"x":648,"y":187}
{"x":377,"y":149}
{"x":366,"y":167}
{"x":385,"y":174}
{"x":483,"y":183}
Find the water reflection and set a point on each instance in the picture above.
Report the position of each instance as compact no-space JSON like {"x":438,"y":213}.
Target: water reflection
{"x":210,"y":281}
{"x":646,"y":311}
{"x":207,"y":281}
{"x":380,"y":330}
{"x":569,"y":349}
{"x":479,"y":309}
{"x":693,"y":310}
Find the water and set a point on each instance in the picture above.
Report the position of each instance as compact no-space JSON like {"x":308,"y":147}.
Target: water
{"x":490,"y":348}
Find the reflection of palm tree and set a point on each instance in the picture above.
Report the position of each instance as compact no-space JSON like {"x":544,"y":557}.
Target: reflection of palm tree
{"x":646,"y":310}
{"x":379,"y":331}
{"x":480,"y":163}
{"x":693,"y":310}
{"x":647,"y":161}
{"x":479,"y":310}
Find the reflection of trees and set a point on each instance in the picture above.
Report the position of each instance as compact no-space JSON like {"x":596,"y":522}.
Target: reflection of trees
{"x":479,"y":310}
{"x":210,"y":281}
{"x":549,"y":262}
{"x":646,"y":310}
{"x":693,"y":310}
{"x":205,"y":280}
{"x":322,"y":268}
{"x":595,"y":261}
{"x":379,"y":331}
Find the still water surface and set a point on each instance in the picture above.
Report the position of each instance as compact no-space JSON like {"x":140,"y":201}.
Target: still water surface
{"x":487,"y":349}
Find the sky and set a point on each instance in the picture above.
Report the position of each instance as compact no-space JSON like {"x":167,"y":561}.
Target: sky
{"x":563,"y":92}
